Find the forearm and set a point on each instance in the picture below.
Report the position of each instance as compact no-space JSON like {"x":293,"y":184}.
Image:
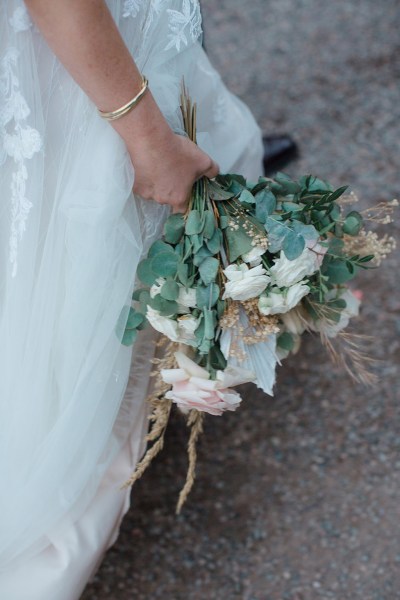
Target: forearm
{"x":84,"y":36}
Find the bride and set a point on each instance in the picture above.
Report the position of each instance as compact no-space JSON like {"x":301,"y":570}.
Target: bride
{"x":85,"y":188}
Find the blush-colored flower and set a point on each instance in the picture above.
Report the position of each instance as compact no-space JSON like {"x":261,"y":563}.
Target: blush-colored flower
{"x":192,"y":387}
{"x":244,"y":283}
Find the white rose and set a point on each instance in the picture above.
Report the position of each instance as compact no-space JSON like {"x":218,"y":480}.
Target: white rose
{"x":244,"y":283}
{"x":281,"y":301}
{"x":254,"y":256}
{"x":164,"y":325}
{"x":187,"y":297}
{"x":285,"y":272}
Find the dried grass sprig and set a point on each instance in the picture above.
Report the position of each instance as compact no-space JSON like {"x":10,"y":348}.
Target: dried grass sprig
{"x":195,"y":422}
{"x":161,"y":410}
{"x":345,"y":353}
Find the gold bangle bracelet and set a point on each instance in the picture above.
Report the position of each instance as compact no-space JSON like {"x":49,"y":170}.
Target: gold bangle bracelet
{"x":123,"y":110}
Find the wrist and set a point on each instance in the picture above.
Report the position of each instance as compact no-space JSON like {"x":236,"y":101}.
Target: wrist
{"x":144,"y":126}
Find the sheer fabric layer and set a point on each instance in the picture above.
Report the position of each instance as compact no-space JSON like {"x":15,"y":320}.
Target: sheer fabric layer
{"x":71,"y":236}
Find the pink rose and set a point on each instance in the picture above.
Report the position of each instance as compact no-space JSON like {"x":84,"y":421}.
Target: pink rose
{"x":192,"y":387}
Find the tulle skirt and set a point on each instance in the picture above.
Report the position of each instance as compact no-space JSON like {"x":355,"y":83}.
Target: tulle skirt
{"x":71,"y":236}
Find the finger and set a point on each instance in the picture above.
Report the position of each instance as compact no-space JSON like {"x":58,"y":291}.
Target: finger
{"x":212,"y":171}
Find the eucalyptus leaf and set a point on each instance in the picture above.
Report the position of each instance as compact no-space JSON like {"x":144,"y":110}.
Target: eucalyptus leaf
{"x":209,"y":224}
{"x":210,"y":321}
{"x":285,"y":341}
{"x":170,"y":290}
{"x":265,"y":204}
{"x":193,"y":223}
{"x":337,"y":271}
{"x":217,"y":192}
{"x":173,"y":228}
{"x":293,"y":245}
{"x":136,"y":294}
{"x":216,"y":359}
{"x":166,"y":308}
{"x":246,"y":197}
{"x":308,"y":232}
{"x":129,"y":337}
{"x":203,"y":253}
{"x":165,"y":264}
{"x":223,"y":221}
{"x":157,"y":247}
{"x":135,"y":319}
{"x":209,"y":270}
{"x":238,"y":243}
{"x":277,"y":231}
{"x":352,"y":223}
{"x":197,"y":242}
{"x":183,"y":272}
{"x":214,"y":244}
{"x":207,"y":296}
{"x":145,"y":271}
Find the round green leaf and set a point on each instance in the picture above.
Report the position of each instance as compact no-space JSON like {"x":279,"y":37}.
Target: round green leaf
{"x":352,"y":223}
{"x":174,"y":228}
{"x":170,"y":290}
{"x":209,"y":270}
{"x":145,"y":272}
{"x":165,"y":264}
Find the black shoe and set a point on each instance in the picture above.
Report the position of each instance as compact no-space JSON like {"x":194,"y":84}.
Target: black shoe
{"x":279,"y":150}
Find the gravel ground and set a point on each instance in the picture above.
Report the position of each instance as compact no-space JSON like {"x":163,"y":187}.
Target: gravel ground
{"x":297,"y":496}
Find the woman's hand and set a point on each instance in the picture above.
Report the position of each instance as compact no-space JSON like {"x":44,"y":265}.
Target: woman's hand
{"x":165,"y":170}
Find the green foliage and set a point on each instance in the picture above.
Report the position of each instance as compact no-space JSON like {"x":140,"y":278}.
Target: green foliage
{"x":209,"y":270}
{"x":193,"y":223}
{"x":352,"y":223}
{"x":265,"y":204}
{"x":166,"y":308}
{"x":238,"y":243}
{"x":170,"y":290}
{"x":285,"y":341}
{"x":207,"y":296}
{"x":165,"y":264}
{"x":145,"y":272}
{"x":174,"y":228}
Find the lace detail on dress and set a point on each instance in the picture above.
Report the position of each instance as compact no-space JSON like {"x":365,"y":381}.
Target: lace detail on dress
{"x":183,"y":23}
{"x":18,"y":141}
{"x":20,"y":20}
{"x":131,"y":8}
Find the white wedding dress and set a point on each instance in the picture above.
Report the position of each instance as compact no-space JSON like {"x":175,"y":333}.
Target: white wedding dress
{"x":71,"y":235}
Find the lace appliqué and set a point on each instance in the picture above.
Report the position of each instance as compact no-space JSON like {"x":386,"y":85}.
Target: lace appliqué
{"x":183,"y":23}
{"x":131,"y":8}
{"x":18,"y":141}
{"x":20,"y":20}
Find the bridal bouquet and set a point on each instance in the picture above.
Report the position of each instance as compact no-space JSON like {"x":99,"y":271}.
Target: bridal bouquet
{"x":237,"y":280}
